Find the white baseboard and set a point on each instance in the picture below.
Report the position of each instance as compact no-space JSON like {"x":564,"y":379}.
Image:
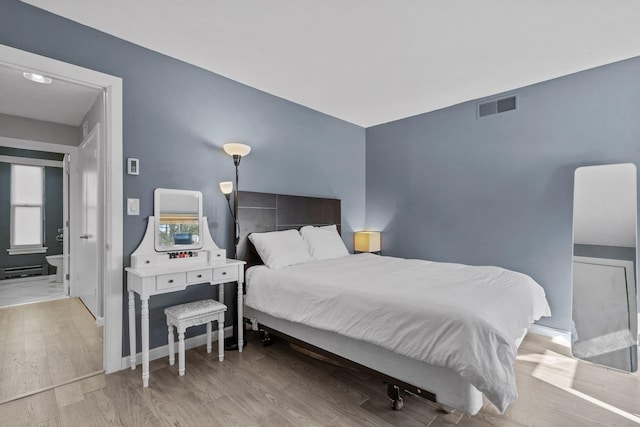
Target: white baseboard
{"x":100,"y":322}
{"x":163,"y":351}
{"x":549,"y":332}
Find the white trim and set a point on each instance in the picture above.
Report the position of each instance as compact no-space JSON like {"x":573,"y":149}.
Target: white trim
{"x":547,"y":331}
{"x":114,"y":267}
{"x":28,"y":144}
{"x":25,"y":251}
{"x":75,"y":221}
{"x":31,"y":162}
{"x":163,"y":351}
{"x":112,"y":161}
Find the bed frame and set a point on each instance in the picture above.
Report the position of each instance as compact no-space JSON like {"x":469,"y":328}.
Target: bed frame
{"x":261,"y":212}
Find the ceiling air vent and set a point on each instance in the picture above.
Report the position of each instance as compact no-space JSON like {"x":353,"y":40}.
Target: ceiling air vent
{"x":496,"y":106}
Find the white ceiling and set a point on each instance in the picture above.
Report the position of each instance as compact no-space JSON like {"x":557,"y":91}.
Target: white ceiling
{"x":59,"y":102}
{"x":373,"y":61}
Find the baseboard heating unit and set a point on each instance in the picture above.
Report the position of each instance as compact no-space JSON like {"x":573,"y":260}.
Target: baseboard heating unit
{"x":23,"y":271}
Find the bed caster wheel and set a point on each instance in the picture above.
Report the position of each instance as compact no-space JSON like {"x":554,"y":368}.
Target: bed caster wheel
{"x":447,"y":409}
{"x":266,"y":338}
{"x":393,"y":392}
{"x":397,"y":405}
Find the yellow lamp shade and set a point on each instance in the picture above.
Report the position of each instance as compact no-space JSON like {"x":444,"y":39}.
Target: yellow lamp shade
{"x":366,"y":241}
{"x":226,"y":187}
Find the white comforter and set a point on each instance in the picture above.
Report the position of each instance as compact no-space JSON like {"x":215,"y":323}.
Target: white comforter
{"x":461,"y":317}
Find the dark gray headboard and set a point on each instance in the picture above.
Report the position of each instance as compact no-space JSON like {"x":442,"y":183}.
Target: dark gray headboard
{"x":260,"y":212}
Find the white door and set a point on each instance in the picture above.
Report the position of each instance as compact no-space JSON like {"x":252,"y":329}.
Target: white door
{"x":87,"y":256}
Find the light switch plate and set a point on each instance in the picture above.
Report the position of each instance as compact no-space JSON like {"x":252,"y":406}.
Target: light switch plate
{"x":133,"y":206}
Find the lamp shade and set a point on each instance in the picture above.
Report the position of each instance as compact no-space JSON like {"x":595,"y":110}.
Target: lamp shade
{"x":236,"y":149}
{"x":226,"y":187}
{"x":366,"y":241}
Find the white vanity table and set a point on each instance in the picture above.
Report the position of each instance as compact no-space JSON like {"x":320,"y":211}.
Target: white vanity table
{"x":159,"y":268}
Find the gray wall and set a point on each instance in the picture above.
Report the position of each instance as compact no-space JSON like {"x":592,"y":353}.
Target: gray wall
{"x":608,"y":252}
{"x":498,"y":190}
{"x":176,"y":119}
{"x":38,"y":130}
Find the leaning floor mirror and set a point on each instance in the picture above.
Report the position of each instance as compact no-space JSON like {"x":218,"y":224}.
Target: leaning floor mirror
{"x":605,"y":309}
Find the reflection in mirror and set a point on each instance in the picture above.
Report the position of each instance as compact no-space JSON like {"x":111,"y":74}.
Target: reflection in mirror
{"x":178,"y":214}
{"x":605,"y":313}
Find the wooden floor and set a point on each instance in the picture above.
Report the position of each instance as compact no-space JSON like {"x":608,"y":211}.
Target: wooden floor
{"x":276,"y":386}
{"x":45,"y":344}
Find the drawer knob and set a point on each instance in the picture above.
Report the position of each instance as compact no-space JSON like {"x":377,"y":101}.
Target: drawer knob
{"x":199,"y":276}
{"x":224,"y":273}
{"x":170,"y":280}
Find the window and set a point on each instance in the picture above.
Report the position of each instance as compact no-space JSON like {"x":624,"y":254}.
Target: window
{"x":27,"y":190}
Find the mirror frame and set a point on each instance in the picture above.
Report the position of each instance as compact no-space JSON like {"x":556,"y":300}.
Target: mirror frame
{"x":157,"y":200}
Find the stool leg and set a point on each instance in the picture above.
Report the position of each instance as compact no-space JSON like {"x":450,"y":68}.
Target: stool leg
{"x":221,"y":337}
{"x":172,"y":350}
{"x":180,"y":351}
{"x":208,"y":337}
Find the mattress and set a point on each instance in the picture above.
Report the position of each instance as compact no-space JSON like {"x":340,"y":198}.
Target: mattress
{"x":464,"y":318}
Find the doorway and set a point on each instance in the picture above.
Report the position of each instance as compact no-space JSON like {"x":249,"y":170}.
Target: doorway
{"x":109,"y":226}
{"x":28,"y":242}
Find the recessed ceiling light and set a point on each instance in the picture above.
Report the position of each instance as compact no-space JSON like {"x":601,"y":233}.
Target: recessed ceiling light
{"x":38,"y":78}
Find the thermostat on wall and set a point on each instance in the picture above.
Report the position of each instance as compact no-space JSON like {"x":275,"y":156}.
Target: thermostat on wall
{"x":133,"y":166}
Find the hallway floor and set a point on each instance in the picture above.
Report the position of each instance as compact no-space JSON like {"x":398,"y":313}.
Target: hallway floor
{"x":24,"y":291}
{"x":47,"y":344}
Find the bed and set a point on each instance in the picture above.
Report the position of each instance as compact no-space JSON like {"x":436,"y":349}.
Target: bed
{"x":378,"y":313}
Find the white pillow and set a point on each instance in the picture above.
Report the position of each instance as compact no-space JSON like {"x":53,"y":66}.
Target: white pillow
{"x":280,"y":248}
{"x":323,"y":242}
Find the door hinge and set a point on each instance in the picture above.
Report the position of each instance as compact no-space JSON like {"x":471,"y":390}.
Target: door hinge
{"x":67,"y":276}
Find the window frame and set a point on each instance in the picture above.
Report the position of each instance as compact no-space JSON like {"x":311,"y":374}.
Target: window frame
{"x":27,"y":249}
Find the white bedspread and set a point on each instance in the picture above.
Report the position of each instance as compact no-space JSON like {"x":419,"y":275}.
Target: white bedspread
{"x":462,"y":317}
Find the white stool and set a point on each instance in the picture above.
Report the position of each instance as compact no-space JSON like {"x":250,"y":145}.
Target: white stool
{"x":194,"y":313}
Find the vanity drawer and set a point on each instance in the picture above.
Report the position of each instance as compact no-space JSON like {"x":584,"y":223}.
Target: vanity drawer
{"x":168,"y":281}
{"x":226,"y":273}
{"x":199,"y":276}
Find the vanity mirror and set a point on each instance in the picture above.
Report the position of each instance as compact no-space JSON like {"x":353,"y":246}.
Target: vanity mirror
{"x":178,"y":214}
{"x":605,"y":310}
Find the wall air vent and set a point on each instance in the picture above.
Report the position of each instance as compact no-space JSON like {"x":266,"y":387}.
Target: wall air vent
{"x":497,"y":106}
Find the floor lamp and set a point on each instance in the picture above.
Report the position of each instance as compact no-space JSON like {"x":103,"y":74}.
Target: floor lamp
{"x":237,"y":151}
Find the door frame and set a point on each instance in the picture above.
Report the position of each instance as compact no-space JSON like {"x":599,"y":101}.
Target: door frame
{"x":111,"y":174}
